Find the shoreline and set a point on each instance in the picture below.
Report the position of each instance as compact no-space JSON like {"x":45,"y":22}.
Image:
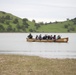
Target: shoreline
{"x":11,"y":64}
{"x":41,"y":55}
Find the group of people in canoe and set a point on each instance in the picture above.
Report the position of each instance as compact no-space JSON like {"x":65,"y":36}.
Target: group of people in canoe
{"x":45,"y":37}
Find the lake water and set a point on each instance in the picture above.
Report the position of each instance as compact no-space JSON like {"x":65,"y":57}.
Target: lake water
{"x":15,"y":43}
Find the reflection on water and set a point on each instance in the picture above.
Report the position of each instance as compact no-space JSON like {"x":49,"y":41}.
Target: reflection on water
{"x":15,"y":43}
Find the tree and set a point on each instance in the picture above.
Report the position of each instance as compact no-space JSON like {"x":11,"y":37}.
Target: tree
{"x":74,"y":20}
{"x":7,"y":22}
{"x":37,"y":25}
{"x":41,"y":23}
{"x":25,"y":19}
{"x":2,"y":19}
{"x":46,"y":23}
{"x":9,"y":28}
{"x":50,"y":23}
{"x":68,"y":30}
{"x":34,"y":21}
{"x":18,"y":26}
{"x":65,"y":26}
{"x":55,"y":22}
{"x":31,"y":30}
{"x":14,"y":30}
{"x":2,"y":28}
{"x":7,"y":17}
{"x":67,"y":19}
{"x":25,"y":24}
{"x":23,"y":28}
{"x":72,"y":29}
{"x":15,"y":21}
{"x":3,"y":12}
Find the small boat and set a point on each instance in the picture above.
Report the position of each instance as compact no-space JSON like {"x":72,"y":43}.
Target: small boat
{"x":62,"y":40}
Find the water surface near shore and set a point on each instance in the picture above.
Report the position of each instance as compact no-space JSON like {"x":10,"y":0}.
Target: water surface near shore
{"x":15,"y":43}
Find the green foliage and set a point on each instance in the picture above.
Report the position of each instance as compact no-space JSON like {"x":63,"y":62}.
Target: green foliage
{"x":11,"y":23}
{"x":33,"y":21}
{"x":74,"y":21}
{"x":25,"y":19}
{"x":9,"y":28}
{"x":7,"y":22}
{"x":2,"y":19}
{"x":18,"y":26}
{"x":32,"y":30}
{"x":2,"y":28}
{"x":7,"y":17}
{"x":37,"y":25}
{"x":65,"y":26}
{"x":15,"y":21}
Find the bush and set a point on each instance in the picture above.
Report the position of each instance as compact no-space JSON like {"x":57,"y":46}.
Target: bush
{"x":2,"y":28}
{"x":65,"y":26}
{"x":15,"y":21}
{"x":30,"y":30}
{"x":7,"y":17}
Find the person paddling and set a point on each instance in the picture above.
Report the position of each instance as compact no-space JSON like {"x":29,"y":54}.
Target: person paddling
{"x":30,"y":36}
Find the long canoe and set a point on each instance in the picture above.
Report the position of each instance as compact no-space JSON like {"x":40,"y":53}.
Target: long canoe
{"x":62,"y":40}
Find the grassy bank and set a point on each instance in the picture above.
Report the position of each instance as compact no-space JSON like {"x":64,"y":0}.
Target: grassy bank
{"x":31,"y":65}
{"x":12,"y":23}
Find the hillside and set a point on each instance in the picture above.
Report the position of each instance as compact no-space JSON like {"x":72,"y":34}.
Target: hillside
{"x":11,"y":23}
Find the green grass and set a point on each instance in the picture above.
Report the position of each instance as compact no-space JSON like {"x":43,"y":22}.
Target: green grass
{"x":31,"y":65}
{"x":31,"y":25}
{"x":54,"y":27}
